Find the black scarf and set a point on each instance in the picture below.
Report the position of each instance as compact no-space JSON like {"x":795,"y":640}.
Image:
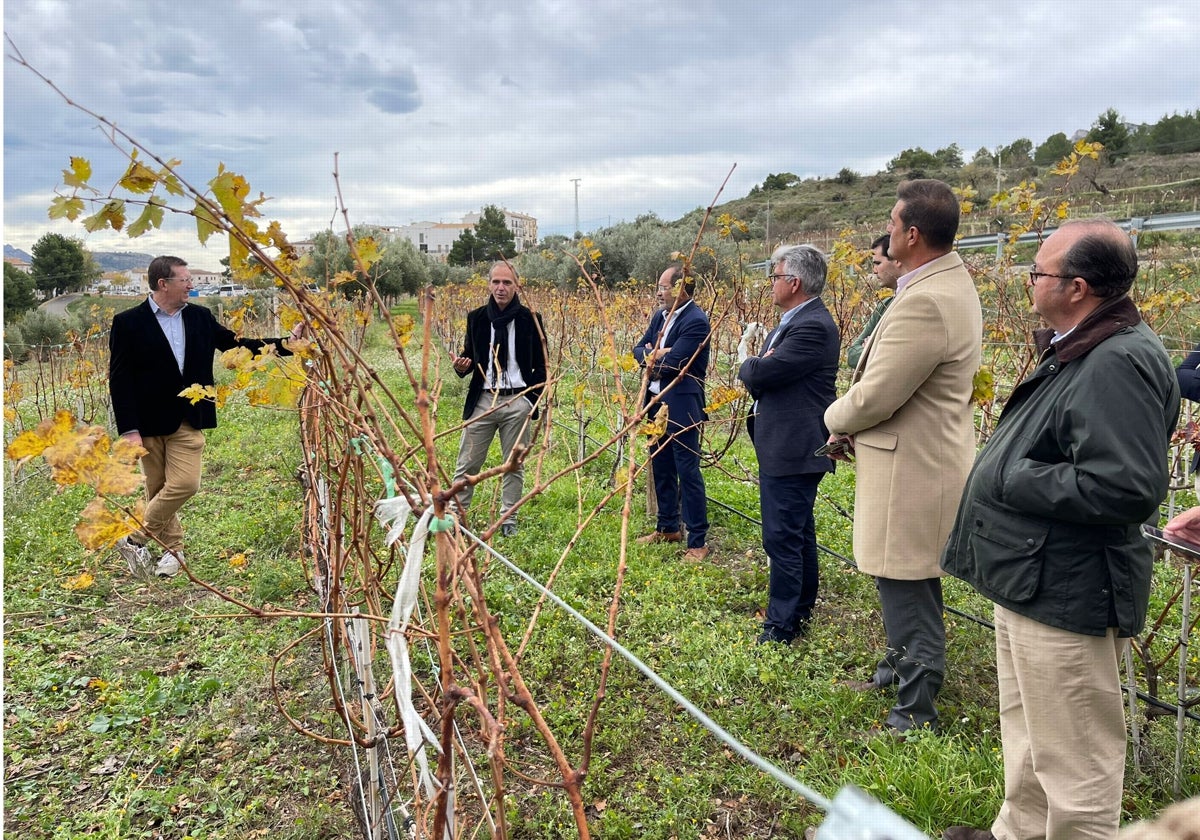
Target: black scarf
{"x":501,"y":318}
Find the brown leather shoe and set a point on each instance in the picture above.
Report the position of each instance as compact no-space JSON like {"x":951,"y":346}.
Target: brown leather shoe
{"x":661,"y":537}
{"x":861,"y":685}
{"x":966,"y":832}
{"x":696,"y":555}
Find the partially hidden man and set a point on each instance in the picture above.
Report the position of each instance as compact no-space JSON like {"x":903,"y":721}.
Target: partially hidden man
{"x":675,"y":352}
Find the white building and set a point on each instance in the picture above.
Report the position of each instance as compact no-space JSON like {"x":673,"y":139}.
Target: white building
{"x":436,"y":238}
{"x":433,"y":238}
{"x":523,"y":227}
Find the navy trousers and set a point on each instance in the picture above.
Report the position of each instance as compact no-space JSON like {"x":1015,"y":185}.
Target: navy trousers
{"x":678,"y":482}
{"x":789,"y":535}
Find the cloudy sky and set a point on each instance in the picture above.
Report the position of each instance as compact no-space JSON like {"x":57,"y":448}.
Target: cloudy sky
{"x":436,"y":108}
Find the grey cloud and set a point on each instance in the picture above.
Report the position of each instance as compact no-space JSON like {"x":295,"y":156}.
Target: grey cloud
{"x":395,"y":100}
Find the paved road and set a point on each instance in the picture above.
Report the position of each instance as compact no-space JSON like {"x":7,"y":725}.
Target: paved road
{"x":58,"y":306}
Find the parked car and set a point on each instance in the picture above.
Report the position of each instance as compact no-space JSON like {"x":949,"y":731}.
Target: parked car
{"x":232,"y":290}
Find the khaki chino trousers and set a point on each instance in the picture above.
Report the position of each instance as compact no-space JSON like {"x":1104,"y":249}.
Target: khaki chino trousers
{"x":1062,"y":726}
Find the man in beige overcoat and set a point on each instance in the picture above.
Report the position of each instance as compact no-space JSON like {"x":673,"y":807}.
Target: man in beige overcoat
{"x":908,"y":416}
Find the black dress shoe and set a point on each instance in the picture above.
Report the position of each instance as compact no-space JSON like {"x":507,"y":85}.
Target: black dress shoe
{"x":775,"y":635}
{"x":966,"y":832}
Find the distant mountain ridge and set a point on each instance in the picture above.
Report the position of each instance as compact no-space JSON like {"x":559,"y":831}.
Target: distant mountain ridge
{"x":107,"y":260}
{"x":121,"y":260}
{"x":17,"y":253}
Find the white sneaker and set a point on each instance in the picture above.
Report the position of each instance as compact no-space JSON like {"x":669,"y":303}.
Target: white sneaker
{"x":136,"y":556}
{"x":168,"y":564}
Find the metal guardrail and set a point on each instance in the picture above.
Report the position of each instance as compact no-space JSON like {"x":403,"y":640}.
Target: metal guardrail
{"x":1138,"y":225}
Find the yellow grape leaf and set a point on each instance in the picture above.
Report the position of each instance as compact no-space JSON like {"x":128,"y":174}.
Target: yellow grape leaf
{"x":151,"y":217}
{"x":621,"y":477}
{"x":723,"y":395}
{"x":80,"y":582}
{"x":983,"y":386}
{"x":168,"y":178}
{"x":289,"y":317}
{"x":238,"y":561}
{"x":196,"y":392}
{"x":237,"y":358}
{"x":138,"y":178}
{"x":368,"y":252}
{"x":112,"y":215}
{"x":100,"y":526}
{"x":403,"y":325}
{"x":276,"y":237}
{"x":658,"y":426}
{"x":344,"y":277}
{"x":62,"y":207}
{"x":206,"y":220}
{"x":78,"y":174}
{"x":32,"y":443}
{"x":88,"y":457}
{"x":230,"y":189}
{"x":239,"y":254}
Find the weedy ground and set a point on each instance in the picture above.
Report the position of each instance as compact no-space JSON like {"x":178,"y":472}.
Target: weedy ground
{"x":143,"y":710}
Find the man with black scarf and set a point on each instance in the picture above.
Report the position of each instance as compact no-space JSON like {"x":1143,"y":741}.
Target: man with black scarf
{"x":505,"y":353}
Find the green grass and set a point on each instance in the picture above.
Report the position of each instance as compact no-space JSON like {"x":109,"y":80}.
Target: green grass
{"x":132,"y":711}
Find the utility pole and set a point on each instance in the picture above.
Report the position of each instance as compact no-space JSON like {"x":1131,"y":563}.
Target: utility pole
{"x":576,"y":182}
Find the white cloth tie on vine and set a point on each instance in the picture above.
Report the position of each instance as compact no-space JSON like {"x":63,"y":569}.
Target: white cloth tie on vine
{"x":393,"y":514}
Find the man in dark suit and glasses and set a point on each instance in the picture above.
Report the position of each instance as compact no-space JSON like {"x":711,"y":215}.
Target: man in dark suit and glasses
{"x":675,"y":351}
{"x":156,"y":350}
{"x":792,"y":382}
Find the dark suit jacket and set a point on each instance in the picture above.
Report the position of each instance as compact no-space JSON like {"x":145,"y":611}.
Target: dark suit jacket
{"x":531,"y":353}
{"x":144,"y":381}
{"x":689,"y":332}
{"x":794,"y":385}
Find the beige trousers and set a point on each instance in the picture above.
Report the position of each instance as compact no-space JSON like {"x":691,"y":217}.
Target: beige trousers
{"x":172,"y":465}
{"x":1062,"y":726}
{"x":510,"y":416}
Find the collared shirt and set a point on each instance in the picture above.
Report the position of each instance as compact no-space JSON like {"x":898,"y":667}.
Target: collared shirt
{"x":511,"y":376}
{"x":906,"y":278}
{"x":1060,"y":336}
{"x":656,"y":384}
{"x":172,"y":327}
{"x":783,"y":321}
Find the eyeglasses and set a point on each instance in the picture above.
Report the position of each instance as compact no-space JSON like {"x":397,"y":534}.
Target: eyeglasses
{"x":1034,"y":276}
{"x":774,"y":277}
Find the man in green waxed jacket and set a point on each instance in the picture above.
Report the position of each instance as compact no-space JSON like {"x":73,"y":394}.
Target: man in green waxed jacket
{"x":1048,"y":529}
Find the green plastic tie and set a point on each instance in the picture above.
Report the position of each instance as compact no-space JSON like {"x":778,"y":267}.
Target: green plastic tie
{"x":444,"y":524}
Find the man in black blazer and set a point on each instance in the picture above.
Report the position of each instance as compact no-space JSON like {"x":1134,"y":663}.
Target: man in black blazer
{"x":792,"y":383}
{"x":156,"y":350}
{"x":505,"y":353}
{"x":675,"y":350}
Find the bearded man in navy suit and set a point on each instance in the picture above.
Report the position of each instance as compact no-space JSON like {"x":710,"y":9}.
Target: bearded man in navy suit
{"x":792,"y":382}
{"x":674,"y":351}
{"x":156,"y":350}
